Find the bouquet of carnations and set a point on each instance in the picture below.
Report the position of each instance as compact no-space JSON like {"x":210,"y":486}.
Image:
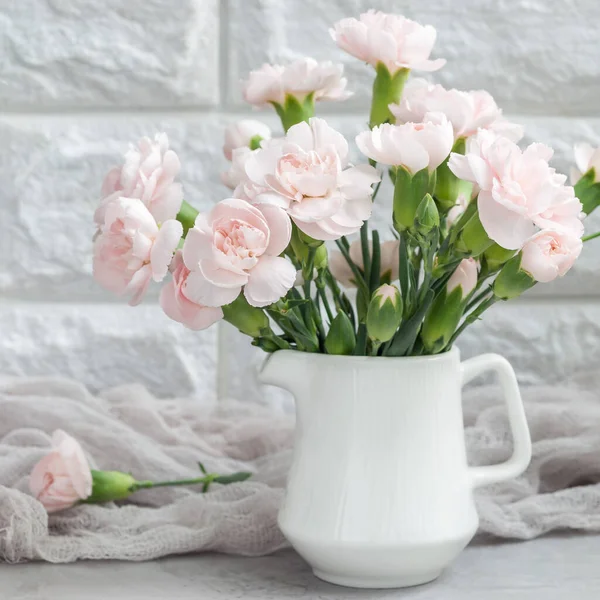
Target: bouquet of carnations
{"x":475,"y":219}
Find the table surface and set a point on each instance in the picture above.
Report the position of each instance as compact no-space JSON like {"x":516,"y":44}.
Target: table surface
{"x":549,"y":568}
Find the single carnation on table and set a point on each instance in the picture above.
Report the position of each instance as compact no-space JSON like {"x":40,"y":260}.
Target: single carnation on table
{"x":63,"y":478}
{"x":288,"y":255}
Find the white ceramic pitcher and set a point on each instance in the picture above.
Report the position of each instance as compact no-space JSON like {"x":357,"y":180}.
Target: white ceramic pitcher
{"x":380,"y":493}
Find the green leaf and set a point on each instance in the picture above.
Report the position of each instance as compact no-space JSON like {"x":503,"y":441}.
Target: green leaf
{"x":202,"y":468}
{"x":233,"y":478}
{"x":403,"y":268}
{"x":404,"y":340}
{"x":375,"y":263}
{"x":341,"y":338}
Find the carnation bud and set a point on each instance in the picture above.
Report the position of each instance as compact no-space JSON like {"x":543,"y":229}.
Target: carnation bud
{"x":248,"y":319}
{"x":473,"y":239}
{"x":409,"y":192}
{"x":340,"y":338}
{"x":301,"y":244}
{"x":512,"y":281}
{"x":448,"y":306}
{"x":385,"y":313}
{"x":110,"y":485}
{"x":247,"y":132}
{"x":427,"y":217}
{"x":442,"y":319}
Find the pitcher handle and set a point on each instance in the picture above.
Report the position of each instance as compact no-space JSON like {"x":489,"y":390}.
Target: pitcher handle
{"x":521,"y":456}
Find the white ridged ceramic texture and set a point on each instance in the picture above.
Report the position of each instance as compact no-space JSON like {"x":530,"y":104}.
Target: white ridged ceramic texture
{"x":380,"y":493}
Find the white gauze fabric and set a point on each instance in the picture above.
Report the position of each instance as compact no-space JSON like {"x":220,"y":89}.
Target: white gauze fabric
{"x":128,"y":429}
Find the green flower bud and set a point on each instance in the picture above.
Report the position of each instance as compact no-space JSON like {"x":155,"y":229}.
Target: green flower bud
{"x":340,"y":338}
{"x":427,"y":217}
{"x":495,"y":256}
{"x":473,"y":239}
{"x":442,"y":319}
{"x":110,"y":485}
{"x":512,"y":281}
{"x":387,"y":89}
{"x":385,"y":313}
{"x":301,"y":243}
{"x":248,"y":319}
{"x":294,"y":111}
{"x":409,"y":191}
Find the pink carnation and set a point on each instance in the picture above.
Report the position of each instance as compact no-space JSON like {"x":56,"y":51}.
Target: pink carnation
{"x":131,"y":249}
{"x":519,"y":190}
{"x":393,"y":40}
{"x":63,"y":477}
{"x":466,"y":111}
{"x":550,"y":253}
{"x":148,"y":174}
{"x":237,"y":246}
{"x":271,"y":83}
{"x":415,"y":146}
{"x":307,"y":175}
{"x":179,"y":307}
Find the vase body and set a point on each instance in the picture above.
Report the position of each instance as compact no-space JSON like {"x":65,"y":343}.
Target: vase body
{"x":380,"y":493}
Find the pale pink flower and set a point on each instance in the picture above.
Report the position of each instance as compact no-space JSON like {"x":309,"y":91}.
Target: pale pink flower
{"x":179,"y":307}
{"x":304,"y":76}
{"x":457,"y":210}
{"x":466,"y":111}
{"x":415,"y":146}
{"x":586,"y":157}
{"x":550,"y":253}
{"x":237,"y":246}
{"x":239,"y":135}
{"x":343,"y":273}
{"x":236,"y":173}
{"x":63,"y":477}
{"x":464,"y":276}
{"x":149,"y":174}
{"x":130,"y":248}
{"x":393,"y":40}
{"x":519,"y":191}
{"x":307,"y":175}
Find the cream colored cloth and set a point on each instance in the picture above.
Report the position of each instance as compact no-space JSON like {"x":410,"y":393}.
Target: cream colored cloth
{"x":128,"y":429}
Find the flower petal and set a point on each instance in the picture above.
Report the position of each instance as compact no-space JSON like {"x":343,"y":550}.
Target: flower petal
{"x":270,"y":280}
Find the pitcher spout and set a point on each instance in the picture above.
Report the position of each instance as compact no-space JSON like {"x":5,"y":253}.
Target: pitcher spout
{"x":285,"y":369}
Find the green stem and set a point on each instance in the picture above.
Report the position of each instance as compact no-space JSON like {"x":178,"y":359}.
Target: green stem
{"x":474,"y":316}
{"x":141,"y":485}
{"x":477,"y":299}
{"x":323,"y":295}
{"x":360,"y":282}
{"x":587,"y":238}
{"x":366,"y":255}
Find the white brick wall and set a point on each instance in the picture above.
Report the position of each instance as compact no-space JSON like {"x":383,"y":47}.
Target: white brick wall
{"x":78,"y":83}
